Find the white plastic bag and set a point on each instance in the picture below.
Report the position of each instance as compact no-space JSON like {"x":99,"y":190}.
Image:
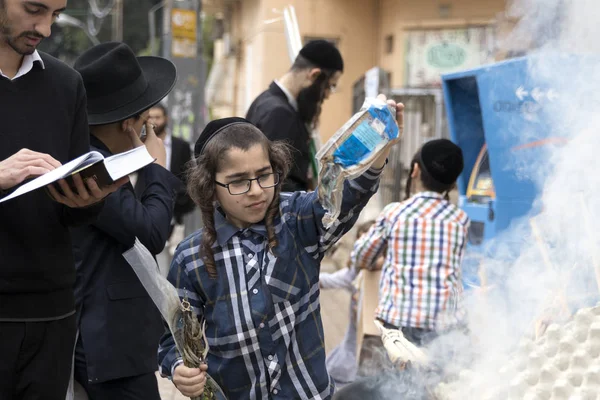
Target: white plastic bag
{"x":164,"y":295}
{"x":352,"y":150}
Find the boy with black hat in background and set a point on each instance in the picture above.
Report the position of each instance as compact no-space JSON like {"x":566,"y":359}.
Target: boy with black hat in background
{"x":119,"y":325}
{"x":289,"y":110}
{"x":425,"y":236}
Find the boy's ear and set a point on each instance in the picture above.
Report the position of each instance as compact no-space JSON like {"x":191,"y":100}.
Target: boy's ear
{"x":416,"y":171}
{"x":127,"y":124}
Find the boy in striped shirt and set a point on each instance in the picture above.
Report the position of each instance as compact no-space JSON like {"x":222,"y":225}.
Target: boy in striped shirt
{"x":421,"y":287}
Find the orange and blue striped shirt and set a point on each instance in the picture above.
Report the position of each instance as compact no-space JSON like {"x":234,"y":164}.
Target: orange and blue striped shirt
{"x":424,"y":238}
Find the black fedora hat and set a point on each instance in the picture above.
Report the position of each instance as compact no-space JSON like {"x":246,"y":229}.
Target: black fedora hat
{"x":120,"y":85}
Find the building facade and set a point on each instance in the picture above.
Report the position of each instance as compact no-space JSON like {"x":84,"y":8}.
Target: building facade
{"x":412,"y":40}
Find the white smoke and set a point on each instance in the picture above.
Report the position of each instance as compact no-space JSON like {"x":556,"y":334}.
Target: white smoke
{"x":546,"y":265}
{"x":547,"y":261}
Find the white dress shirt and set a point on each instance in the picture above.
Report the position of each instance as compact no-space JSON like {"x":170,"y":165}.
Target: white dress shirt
{"x":291,"y":99}
{"x":27,"y":65}
{"x":168,"y":142}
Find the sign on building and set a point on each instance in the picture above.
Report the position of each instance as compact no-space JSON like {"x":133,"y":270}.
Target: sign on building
{"x":431,"y":53}
{"x":184,"y":30}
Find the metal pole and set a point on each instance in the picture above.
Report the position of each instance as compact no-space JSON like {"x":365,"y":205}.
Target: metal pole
{"x":117,"y":21}
{"x":166,"y":31}
{"x":152,"y":25}
{"x":193,"y":221}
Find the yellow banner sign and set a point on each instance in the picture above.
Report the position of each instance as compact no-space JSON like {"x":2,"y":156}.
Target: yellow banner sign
{"x":184,"y":23}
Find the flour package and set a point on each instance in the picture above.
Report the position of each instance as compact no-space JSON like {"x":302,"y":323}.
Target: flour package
{"x":352,"y":151}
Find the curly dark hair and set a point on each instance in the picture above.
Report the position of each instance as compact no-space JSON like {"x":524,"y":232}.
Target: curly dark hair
{"x":201,"y":181}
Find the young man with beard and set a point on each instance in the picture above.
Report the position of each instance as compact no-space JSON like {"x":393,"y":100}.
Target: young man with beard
{"x":290,"y":108}
{"x":179,"y":155}
{"x":44,"y":124}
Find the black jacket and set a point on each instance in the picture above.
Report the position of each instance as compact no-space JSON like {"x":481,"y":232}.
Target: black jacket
{"x":181,"y":155}
{"x":119,"y":324}
{"x":272,"y":113}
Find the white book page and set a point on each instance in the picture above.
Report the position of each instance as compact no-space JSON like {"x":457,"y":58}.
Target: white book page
{"x":123,"y":164}
{"x":56,"y":174}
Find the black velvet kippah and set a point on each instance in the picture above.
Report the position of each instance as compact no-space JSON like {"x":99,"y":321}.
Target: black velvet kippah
{"x":323,"y":54}
{"x":212,"y":129}
{"x":443,"y":160}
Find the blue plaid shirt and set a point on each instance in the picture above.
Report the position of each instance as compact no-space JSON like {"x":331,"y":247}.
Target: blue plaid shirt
{"x":262,"y":311}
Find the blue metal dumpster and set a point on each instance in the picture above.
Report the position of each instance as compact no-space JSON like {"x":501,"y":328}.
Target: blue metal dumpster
{"x":504,"y":117}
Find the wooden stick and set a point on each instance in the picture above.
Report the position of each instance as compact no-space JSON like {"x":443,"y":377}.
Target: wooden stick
{"x":541,"y":323}
{"x":541,"y":244}
{"x":483,"y":279}
{"x":540,"y":327}
{"x":590,"y":233}
{"x":546,"y":258}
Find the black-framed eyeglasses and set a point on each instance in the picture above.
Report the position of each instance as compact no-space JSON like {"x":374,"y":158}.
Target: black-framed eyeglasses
{"x":242,"y":186}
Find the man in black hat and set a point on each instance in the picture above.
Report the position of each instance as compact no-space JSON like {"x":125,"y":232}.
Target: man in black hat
{"x":290,"y":108}
{"x":44,"y":125}
{"x":119,"y":325}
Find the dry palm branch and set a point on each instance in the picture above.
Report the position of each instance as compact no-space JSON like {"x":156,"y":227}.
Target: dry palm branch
{"x":195,"y":346}
{"x":187,"y":328}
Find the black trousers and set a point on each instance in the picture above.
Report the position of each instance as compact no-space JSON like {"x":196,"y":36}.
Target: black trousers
{"x":35,"y":359}
{"x":140,"y":387}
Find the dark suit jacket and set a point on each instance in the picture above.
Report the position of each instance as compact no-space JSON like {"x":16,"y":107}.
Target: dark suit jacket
{"x":272,"y":113}
{"x":181,"y":155}
{"x":119,"y":324}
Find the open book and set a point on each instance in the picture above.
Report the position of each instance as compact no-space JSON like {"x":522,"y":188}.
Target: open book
{"x":91,"y":165}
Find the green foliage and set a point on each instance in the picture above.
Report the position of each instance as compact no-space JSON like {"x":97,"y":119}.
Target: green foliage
{"x":147,"y":51}
{"x":68,"y":42}
{"x":135,"y":23}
